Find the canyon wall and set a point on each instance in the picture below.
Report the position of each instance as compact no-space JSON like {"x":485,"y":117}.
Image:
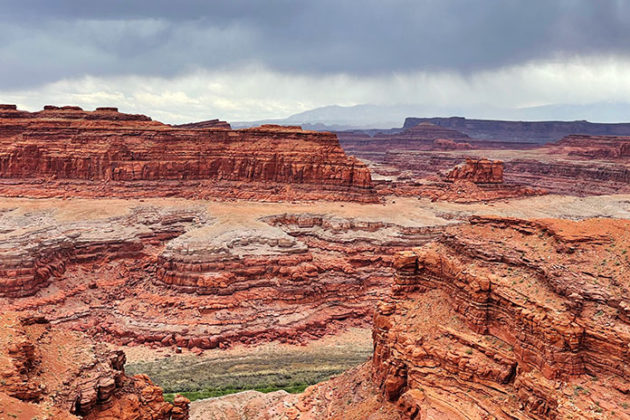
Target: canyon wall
{"x":525,"y":319}
{"x":181,"y":277}
{"x":557,"y":169}
{"x":500,"y":318}
{"x":595,"y":147}
{"x":70,"y":152}
{"x":522,"y":131}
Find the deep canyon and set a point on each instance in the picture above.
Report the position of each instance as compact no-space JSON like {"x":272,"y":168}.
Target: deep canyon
{"x":431,"y":273}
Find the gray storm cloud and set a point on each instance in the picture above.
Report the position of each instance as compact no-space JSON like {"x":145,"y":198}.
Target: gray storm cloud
{"x":44,"y":41}
{"x":243,"y":60}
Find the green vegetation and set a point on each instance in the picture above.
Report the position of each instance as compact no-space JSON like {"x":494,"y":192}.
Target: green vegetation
{"x":224,"y":373}
{"x":219,"y":392}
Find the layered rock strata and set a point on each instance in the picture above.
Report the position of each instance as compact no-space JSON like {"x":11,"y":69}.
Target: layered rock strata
{"x":51,"y":373}
{"x":519,"y":131}
{"x":558,"y":170}
{"x":31,"y":259}
{"x":181,"y":278}
{"x":500,"y":318}
{"x":518,"y":319}
{"x":65,"y":151}
{"x":594,"y":147}
{"x":479,"y":171}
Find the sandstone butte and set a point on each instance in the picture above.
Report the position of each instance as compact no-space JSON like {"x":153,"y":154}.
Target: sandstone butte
{"x":66,"y":152}
{"x":478,"y":171}
{"x":53,"y":373}
{"x":475,"y":180}
{"x":498,"y":319}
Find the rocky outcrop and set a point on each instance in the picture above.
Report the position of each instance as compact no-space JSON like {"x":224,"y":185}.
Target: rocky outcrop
{"x":519,"y":131}
{"x":551,"y":168}
{"x":216,"y":123}
{"x":448,"y":144}
{"x":500,"y":318}
{"x":502,"y":314}
{"x":70,"y":152}
{"x":65,"y":376}
{"x":179,"y":277}
{"x":30,"y":260}
{"x":479,"y":171}
{"x":595,"y":147}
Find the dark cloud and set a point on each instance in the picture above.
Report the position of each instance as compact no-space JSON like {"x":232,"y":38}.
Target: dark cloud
{"x":44,"y":41}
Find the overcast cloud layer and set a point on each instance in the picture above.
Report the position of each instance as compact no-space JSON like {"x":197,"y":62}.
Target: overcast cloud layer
{"x":240,"y":60}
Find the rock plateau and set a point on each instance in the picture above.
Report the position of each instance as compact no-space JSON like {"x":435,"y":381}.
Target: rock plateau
{"x":65,"y":151}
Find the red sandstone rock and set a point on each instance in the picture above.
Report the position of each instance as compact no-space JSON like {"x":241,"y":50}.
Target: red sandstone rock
{"x":500,"y":318}
{"x":155,"y":277}
{"x":551,"y":168}
{"x":105,"y":153}
{"x":448,"y":144}
{"x":597,"y":147}
{"x":64,"y":376}
{"x":480,"y":171}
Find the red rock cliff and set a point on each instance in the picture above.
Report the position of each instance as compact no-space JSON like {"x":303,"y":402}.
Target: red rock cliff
{"x":518,"y":319}
{"x":499,"y":319}
{"x":482,"y":171}
{"x":598,"y":147}
{"x":104,"y":153}
{"x":52,"y":373}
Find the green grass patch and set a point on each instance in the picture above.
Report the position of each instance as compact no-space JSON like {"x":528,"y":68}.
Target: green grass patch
{"x":219,"y":392}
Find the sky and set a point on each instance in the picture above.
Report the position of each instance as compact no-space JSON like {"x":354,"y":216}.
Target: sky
{"x":181,"y":61}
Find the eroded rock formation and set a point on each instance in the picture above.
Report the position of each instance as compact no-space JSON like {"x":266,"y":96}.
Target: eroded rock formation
{"x":520,"y":131}
{"x":596,"y":147}
{"x":65,"y":151}
{"x":479,"y":171}
{"x":180,"y":277}
{"x":500,"y":318}
{"x":51,"y":373}
{"x":566,"y":168}
{"x":519,"y":319}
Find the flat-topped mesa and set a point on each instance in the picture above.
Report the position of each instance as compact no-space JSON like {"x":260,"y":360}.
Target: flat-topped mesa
{"x":428,"y":131}
{"x":598,"y":147}
{"x":108,"y":153}
{"x":479,"y":171}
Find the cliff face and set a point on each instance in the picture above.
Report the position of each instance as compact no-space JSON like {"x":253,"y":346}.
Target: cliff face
{"x":480,"y":171}
{"x":597,"y":147}
{"x":509,"y":318}
{"x":557,"y":169}
{"x":499,"y":318}
{"x":105,"y":153}
{"x":52,"y":373}
{"x":519,"y":131}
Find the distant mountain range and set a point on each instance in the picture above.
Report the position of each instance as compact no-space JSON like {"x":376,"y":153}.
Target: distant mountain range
{"x":335,"y":117}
